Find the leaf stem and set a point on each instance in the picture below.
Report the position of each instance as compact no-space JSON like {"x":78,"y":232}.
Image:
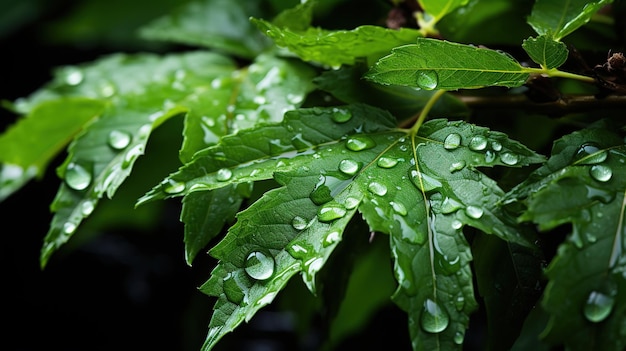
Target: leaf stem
{"x":555,"y":72}
{"x":424,"y":113}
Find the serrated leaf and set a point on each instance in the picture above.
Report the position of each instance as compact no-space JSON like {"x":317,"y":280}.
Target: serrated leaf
{"x":337,"y":47}
{"x":217,"y":24}
{"x":332,"y":161}
{"x":438,"y":64}
{"x":438,"y":9}
{"x":545,"y":51}
{"x":583,"y":183}
{"x":558,"y":19}
{"x":28,"y":146}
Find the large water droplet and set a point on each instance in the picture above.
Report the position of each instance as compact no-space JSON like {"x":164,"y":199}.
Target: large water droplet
{"x":427,"y":80}
{"x":458,"y":337}
{"x":77,"y":177}
{"x":349,"y":167}
{"x":478,"y":143}
{"x":360,"y":142}
{"x":69,"y":227}
{"x":377,"y":188}
{"x":223,"y":175}
{"x":331,"y":212}
{"x":387,"y":162}
{"x":474,"y":212}
{"x":351,"y":203}
{"x":449,"y":205}
{"x":457,"y":166}
{"x":74,"y":76}
{"x":299,"y":223}
{"x":118,"y":139}
{"x":589,"y":154}
{"x":331,"y":238}
{"x":87,"y":207}
{"x":598,"y":306}
{"x":490,"y":156}
{"x":434,"y":319}
{"x":174,"y":187}
{"x":341,"y":115}
{"x":452,"y":141}
{"x":509,"y":159}
{"x":259,"y":265}
{"x":496,"y":146}
{"x":398,"y":208}
{"x":601,"y":173}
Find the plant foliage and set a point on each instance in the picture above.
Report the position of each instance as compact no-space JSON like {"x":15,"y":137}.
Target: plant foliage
{"x":300,"y":138}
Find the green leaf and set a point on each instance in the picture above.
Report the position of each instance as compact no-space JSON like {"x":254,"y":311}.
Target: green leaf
{"x":438,"y":9}
{"x":296,"y":18}
{"x":545,"y":51}
{"x":438,"y":64}
{"x":217,"y":24}
{"x":28,"y":146}
{"x":331,"y":162}
{"x":583,"y":183}
{"x":558,"y":19}
{"x":337,"y":47}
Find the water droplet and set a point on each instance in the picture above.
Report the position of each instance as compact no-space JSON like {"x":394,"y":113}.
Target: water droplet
{"x":174,"y":187}
{"x":87,"y":207}
{"x":377,"y":188}
{"x":77,"y":177}
{"x":424,"y":181}
{"x":458,"y":337}
{"x":331,"y":212}
{"x":223,"y":175}
{"x":433,"y":318}
{"x":259,"y":266}
{"x":232,"y":290}
{"x":474,"y":212}
{"x":351,"y":203}
{"x":299,"y":223}
{"x":331,"y":238}
{"x":74,"y":76}
{"x":457,"y":166}
{"x":490,"y":156}
{"x":496,"y":146}
{"x":598,"y":306}
{"x":449,"y":205}
{"x":452,"y":141}
{"x":398,"y":208}
{"x":118,"y":139}
{"x":509,"y":159}
{"x":589,"y":154}
{"x":456,"y":224}
{"x":459,"y":302}
{"x":321,"y":192}
{"x":601,"y":173}
{"x":349,"y":167}
{"x":341,"y":115}
{"x":360,"y":142}
{"x":294,"y":98}
{"x":387,"y":162}
{"x":427,"y":80}
{"x":478,"y":143}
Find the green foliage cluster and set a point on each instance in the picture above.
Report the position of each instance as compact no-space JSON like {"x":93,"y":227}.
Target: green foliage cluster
{"x":491,"y":163}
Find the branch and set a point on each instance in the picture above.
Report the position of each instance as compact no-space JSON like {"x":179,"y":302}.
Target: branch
{"x":562,"y":106}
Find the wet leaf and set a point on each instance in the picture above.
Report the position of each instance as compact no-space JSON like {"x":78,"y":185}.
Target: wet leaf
{"x":545,"y":51}
{"x":558,"y":19}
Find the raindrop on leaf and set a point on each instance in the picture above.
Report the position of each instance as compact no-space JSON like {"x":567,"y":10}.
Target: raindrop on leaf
{"x":341,"y":115}
{"x":259,"y":266}
{"x":77,"y":177}
{"x":598,"y":306}
{"x":478,"y":143}
{"x":427,"y":80}
{"x":331,"y":212}
{"x":601,"y":173}
{"x":118,"y":139}
{"x":349,"y":167}
{"x":434,"y":319}
{"x":377,"y":188}
{"x":360,"y":142}
{"x":452,"y":141}
{"x":509,"y":159}
{"x":223,"y":175}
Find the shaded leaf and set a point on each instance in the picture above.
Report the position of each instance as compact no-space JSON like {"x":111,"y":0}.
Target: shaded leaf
{"x":337,"y":47}
{"x":438,"y":9}
{"x":421,"y":189}
{"x":296,"y":18}
{"x":545,"y":51}
{"x":437,"y":64}
{"x":583,"y":184}
{"x":558,"y":19}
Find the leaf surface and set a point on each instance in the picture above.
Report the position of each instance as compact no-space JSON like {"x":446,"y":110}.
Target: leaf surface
{"x":438,"y":64}
{"x":438,"y":9}
{"x":545,"y":51}
{"x":583,"y":184}
{"x":558,"y":19}
{"x":331,"y":162}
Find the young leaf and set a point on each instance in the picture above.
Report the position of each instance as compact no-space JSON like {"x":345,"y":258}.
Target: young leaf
{"x":419,"y":189}
{"x":438,"y":64}
{"x":583,"y":183}
{"x":337,"y":47}
{"x":558,"y":19}
{"x":545,"y":51}
{"x":437,"y":9}
{"x":217,"y":24}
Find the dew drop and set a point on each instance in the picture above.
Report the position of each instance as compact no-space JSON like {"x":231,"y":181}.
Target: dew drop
{"x":118,"y":139}
{"x":349,"y":167}
{"x":69,"y":228}
{"x":77,"y":177}
{"x":294,"y":98}
{"x":478,"y":143}
{"x":74,"y":77}
{"x":299,"y":223}
{"x":387,"y":162}
{"x":589,"y":154}
{"x":331,"y":212}
{"x":360,"y":142}
{"x":601,"y":173}
{"x":509,"y":159}
{"x":496,"y":146}
{"x":377,"y":188}
{"x":474,"y":212}
{"x":259,"y":266}
{"x":351,"y":203}
{"x":452,"y":141}
{"x":331,"y":238}
{"x":490,"y":156}
{"x":456,"y":224}
{"x":87,"y":207}
{"x":598,"y":306}
{"x":457,"y":166}
{"x":433,"y":319}
{"x":174,"y":187}
{"x":427,"y":80}
{"x":449,"y":205}
{"x":223,"y":175}
{"x":341,"y":115}
{"x":458,"y":337}
{"x":459,"y":302}
{"x":398,"y":208}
